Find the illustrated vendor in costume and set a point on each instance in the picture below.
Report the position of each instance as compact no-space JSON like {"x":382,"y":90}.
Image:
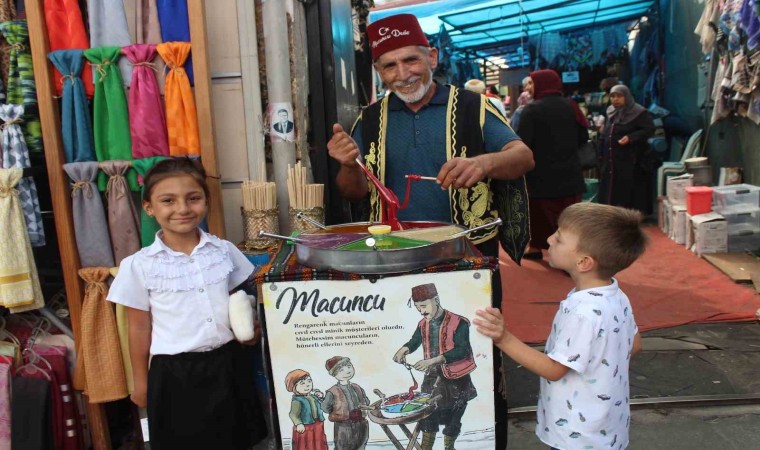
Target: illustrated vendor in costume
{"x":306,"y":412}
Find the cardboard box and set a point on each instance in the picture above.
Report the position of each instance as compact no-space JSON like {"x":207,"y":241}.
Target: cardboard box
{"x":676,"y":188}
{"x":663,"y":214}
{"x":707,"y":233}
{"x":678,"y":223}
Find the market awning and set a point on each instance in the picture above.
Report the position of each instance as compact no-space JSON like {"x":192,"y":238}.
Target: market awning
{"x":488,"y":27}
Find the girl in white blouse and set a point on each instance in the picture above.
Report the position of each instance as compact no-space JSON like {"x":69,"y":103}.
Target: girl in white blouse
{"x":194,"y":377}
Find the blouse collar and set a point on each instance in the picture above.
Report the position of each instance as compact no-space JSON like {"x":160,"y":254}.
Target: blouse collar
{"x":159,"y":246}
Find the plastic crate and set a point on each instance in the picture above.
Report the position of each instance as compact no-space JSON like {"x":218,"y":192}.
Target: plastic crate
{"x":742,"y":217}
{"x":745,"y":240}
{"x":728,"y":197}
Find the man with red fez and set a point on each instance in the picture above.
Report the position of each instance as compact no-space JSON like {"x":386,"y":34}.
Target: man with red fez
{"x":445,"y":340}
{"x":343,"y":402}
{"x":426,"y":128}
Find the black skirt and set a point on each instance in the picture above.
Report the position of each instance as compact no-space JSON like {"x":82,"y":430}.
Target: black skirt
{"x":204,"y":400}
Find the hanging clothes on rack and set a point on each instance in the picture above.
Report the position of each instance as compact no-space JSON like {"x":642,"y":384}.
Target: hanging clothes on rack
{"x":175,"y":27}
{"x":147,"y":123}
{"x":148,"y":225}
{"x":65,"y":27}
{"x":108,"y":27}
{"x":145,"y":28}
{"x":30,"y":410}
{"x":15,"y":154}
{"x":19,"y":282}
{"x":90,"y":227}
{"x":5,"y":403}
{"x":67,"y":433}
{"x":181,"y":115}
{"x":111,"y":118}
{"x":7,"y":13}
{"x":123,"y":224}
{"x":76,"y":123}
{"x":99,"y":371}
{"x":21,"y":89}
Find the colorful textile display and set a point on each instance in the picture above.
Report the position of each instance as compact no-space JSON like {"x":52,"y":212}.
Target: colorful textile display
{"x":19,"y":284}
{"x":123,"y":224}
{"x":7,"y":13}
{"x":90,"y":227}
{"x":148,"y":225}
{"x":15,"y":154}
{"x":21,"y":89}
{"x":108,"y":27}
{"x":146,"y":111}
{"x":181,"y":115}
{"x":175,"y":27}
{"x":142,"y":19}
{"x":99,"y":369}
{"x":111,"y":119}
{"x":76,"y":124}
{"x":5,"y":404}
{"x":63,"y":20}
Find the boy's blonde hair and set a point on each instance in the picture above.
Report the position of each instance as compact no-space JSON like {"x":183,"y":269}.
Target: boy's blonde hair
{"x":609,"y":234}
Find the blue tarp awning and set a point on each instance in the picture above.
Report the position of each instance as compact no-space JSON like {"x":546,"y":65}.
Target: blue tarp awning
{"x":488,"y":26}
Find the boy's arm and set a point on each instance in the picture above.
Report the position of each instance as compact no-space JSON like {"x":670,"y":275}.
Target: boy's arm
{"x":139,"y":330}
{"x":636,"y":344}
{"x":530,"y":358}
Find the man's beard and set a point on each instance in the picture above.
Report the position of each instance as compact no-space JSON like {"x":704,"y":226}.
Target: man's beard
{"x":417,"y":95}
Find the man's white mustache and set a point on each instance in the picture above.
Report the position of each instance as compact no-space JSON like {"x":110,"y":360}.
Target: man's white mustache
{"x":409,"y":82}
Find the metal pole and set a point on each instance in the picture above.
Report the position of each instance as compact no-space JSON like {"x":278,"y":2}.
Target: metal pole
{"x":277,"y":51}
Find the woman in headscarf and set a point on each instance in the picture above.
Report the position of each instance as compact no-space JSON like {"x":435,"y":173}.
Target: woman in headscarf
{"x":629,"y":125}
{"x":553,"y":127}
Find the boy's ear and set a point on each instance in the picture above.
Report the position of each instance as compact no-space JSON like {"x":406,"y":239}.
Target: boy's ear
{"x":586,"y":264}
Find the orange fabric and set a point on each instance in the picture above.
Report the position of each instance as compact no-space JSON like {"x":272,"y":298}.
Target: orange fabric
{"x":181,"y":116}
{"x":65,"y":27}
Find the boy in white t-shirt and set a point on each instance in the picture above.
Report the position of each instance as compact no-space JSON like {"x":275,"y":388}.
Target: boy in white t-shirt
{"x":583,"y":401}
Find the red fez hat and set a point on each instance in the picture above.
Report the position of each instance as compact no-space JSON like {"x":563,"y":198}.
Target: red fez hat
{"x":424,"y":292}
{"x":333,"y":364}
{"x":391,"y":33}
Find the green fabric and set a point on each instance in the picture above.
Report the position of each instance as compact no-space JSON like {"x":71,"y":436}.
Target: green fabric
{"x":148,"y":225}
{"x":21,"y":88}
{"x":111,"y":117}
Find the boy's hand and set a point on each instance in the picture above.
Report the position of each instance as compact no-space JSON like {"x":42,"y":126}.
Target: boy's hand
{"x":319,"y":394}
{"x":490,"y":323}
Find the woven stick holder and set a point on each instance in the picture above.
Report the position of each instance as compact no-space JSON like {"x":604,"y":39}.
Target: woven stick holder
{"x":316,"y":214}
{"x":255,"y":220}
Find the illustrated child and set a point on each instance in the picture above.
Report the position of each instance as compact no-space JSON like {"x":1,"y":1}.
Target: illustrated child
{"x":448,"y":361}
{"x":343,"y":403}
{"x":306,"y":412}
{"x":199,"y":386}
{"x":584,"y":395}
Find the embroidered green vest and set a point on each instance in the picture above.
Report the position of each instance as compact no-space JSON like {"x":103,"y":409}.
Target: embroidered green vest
{"x":470,"y":207}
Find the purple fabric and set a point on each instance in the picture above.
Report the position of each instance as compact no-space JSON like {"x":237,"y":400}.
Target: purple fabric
{"x":751,"y":23}
{"x":147,"y":123}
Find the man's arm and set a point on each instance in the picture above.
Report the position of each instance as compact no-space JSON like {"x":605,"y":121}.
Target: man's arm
{"x":513,"y":161}
{"x":351,"y":180}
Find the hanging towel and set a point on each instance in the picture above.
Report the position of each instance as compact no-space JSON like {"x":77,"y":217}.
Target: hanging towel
{"x":142,"y":19}
{"x":20,"y":88}
{"x":122,"y":323}
{"x":148,"y":225}
{"x":90,"y":227}
{"x":146,"y":111}
{"x":15,"y":154}
{"x":19,"y":283}
{"x":123,"y":224}
{"x":76,"y":124}
{"x":7,"y":13}
{"x":181,"y":115}
{"x":111,"y":118}
{"x":5,"y":405}
{"x":108,"y":27}
{"x":99,"y":360}
{"x":175,"y":27}
{"x":65,"y":27}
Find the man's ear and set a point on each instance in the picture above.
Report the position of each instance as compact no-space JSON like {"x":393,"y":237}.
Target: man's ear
{"x":586,"y":264}
{"x":433,"y":55}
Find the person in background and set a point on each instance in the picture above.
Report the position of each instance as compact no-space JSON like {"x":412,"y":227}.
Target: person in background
{"x":554,"y":127}
{"x":624,"y":142}
{"x":412,"y":138}
{"x":522,"y":102}
{"x":479,"y":87}
{"x":583,"y":399}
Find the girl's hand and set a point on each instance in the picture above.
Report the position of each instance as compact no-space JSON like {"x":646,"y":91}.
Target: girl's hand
{"x":256,"y":334}
{"x":490,"y":323}
{"x":300,"y":428}
{"x":624,"y":141}
{"x":140,"y":396}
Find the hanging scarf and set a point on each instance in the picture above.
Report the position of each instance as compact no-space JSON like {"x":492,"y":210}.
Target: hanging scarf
{"x":547,"y":82}
{"x":99,"y":370}
{"x":111,"y":124}
{"x":19,"y":283}
{"x":76,"y":125}
{"x":142,"y":19}
{"x":7,"y":13}
{"x":175,"y":27}
{"x":123,"y":223}
{"x":21,"y":88}
{"x":627,"y":113}
{"x":146,"y":111}
{"x":90,"y":227}
{"x":148,"y":225}
{"x":65,"y":27}
{"x":108,"y":27}
{"x":181,"y":116}
{"x":15,"y":154}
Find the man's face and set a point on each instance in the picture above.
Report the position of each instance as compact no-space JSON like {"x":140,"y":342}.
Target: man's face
{"x":408,"y":71}
{"x":283,"y":116}
{"x":345,"y":373}
{"x":428,"y":308}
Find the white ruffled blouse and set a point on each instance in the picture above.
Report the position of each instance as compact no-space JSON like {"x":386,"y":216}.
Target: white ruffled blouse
{"x":187,"y":295}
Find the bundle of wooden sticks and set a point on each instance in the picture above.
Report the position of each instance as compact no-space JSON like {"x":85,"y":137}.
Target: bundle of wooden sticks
{"x":302,"y":195}
{"x":259,"y":194}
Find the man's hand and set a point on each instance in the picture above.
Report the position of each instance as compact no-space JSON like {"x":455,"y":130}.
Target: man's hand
{"x":140,"y":396}
{"x":462,"y":172}
{"x":490,"y":323}
{"x":342,"y":147}
{"x":400,"y":356}
{"x":426,"y":364}
{"x":625,"y":140}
